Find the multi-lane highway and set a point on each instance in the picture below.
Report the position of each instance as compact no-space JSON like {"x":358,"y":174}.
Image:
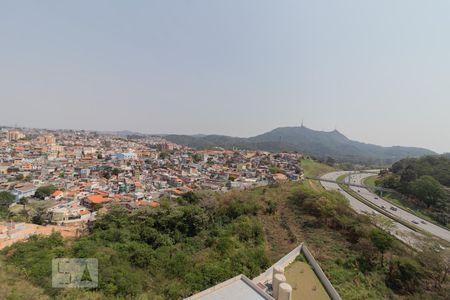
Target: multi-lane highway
{"x":400,"y":231}
{"x":438,"y":231}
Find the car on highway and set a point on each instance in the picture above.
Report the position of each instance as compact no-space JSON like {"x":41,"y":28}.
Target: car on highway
{"x":415,"y":222}
{"x":359,"y":191}
{"x":393,"y":208}
{"x":376,"y":198}
{"x":423,"y":222}
{"x":383,"y":207}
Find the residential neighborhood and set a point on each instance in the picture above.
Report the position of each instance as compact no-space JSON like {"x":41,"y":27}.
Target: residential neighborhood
{"x":74,"y":175}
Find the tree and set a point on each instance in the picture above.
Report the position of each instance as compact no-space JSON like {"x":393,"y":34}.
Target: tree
{"x":382,"y":241}
{"x":271,"y":207}
{"x":330,"y":161}
{"x":164,"y":155}
{"x":39,"y":217}
{"x":6,"y":198}
{"x":436,"y":264}
{"x":403,"y":276}
{"x":406,"y":176}
{"x":23,"y":201}
{"x":367,"y":259}
{"x":389,"y":181}
{"x":45,"y":191}
{"x":191,"y":197}
{"x":428,"y":190}
{"x":197,"y":158}
{"x":232,"y":177}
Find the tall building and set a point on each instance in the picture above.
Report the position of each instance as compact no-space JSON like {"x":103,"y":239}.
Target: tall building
{"x":15,"y":135}
{"x":47,"y":139}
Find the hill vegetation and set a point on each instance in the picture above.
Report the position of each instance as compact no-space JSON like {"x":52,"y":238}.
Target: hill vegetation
{"x":186,"y":246}
{"x":6,"y":199}
{"x":311,"y":142}
{"x":425,"y":182}
{"x":314,"y":168}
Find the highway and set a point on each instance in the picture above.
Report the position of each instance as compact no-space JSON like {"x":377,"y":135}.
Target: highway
{"x":398,"y":230}
{"x":395,"y":210}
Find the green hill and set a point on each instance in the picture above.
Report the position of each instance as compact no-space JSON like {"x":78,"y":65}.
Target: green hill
{"x":301,"y":139}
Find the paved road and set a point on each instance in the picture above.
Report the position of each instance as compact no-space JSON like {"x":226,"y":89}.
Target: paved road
{"x":399,"y":212}
{"x":398,"y":230}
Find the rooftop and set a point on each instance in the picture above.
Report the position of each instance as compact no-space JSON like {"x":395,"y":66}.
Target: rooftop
{"x":239,"y":287}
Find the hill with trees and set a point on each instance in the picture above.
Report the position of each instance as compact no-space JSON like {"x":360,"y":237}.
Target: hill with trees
{"x":425,"y":181}
{"x":197,"y":241}
{"x":302,"y":139}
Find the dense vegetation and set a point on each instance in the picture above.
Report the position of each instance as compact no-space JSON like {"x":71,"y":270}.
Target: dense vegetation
{"x":189,"y":245}
{"x":168,"y":252}
{"x":423,"y":181}
{"x":45,"y":191}
{"x":436,"y":166}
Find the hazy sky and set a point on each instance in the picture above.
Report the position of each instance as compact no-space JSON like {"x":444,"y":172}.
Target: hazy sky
{"x":378,"y":70}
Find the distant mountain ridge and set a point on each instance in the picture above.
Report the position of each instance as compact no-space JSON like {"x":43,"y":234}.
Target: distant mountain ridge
{"x":302,"y":139}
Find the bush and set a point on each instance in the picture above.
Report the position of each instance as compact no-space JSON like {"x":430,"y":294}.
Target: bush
{"x":45,"y":191}
{"x":404,"y":275}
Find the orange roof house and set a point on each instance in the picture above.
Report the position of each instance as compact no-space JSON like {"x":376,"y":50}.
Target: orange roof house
{"x":98,"y":199}
{"x":57,"y":194}
{"x":83,"y":212}
{"x":148,"y":203}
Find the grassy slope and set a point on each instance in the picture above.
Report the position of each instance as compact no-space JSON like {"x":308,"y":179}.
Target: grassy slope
{"x":13,"y":284}
{"x":332,"y":251}
{"x":287,"y":227}
{"x":370,"y":181}
{"x":314,"y":169}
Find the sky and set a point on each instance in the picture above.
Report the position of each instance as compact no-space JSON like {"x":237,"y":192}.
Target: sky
{"x":378,"y":71}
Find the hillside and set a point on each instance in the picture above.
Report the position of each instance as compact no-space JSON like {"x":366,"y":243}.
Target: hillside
{"x":437,"y":167}
{"x":424,"y":184}
{"x":302,"y":139}
{"x":183,"y":247}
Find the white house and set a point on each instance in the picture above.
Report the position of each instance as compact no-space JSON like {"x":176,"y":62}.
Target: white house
{"x":24,"y":190}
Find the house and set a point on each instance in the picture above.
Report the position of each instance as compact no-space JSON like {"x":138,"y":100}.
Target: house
{"x":126,"y":156}
{"x":57,"y":195}
{"x":239,"y":287}
{"x":280,"y":177}
{"x":24,"y":190}
{"x":148,"y":203}
{"x":97,"y":199}
{"x":4,"y":168}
